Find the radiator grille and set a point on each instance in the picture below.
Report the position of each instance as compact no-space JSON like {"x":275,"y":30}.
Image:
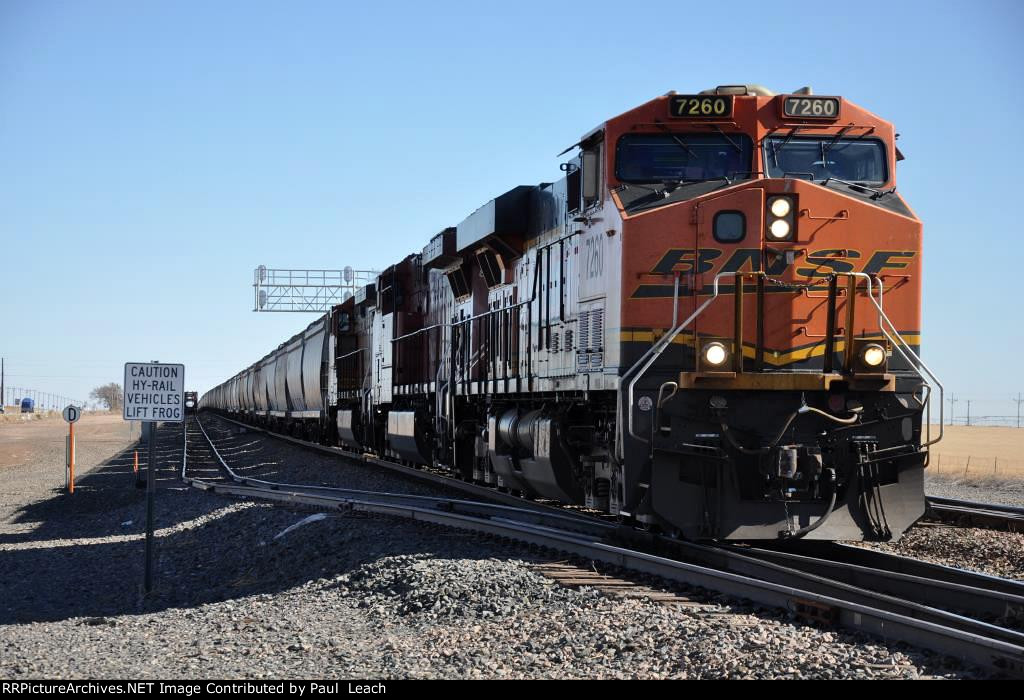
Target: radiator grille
{"x":596,"y":329}
{"x":589,"y":341}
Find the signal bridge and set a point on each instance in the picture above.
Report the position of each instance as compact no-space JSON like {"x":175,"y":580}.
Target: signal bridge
{"x":282,"y":290}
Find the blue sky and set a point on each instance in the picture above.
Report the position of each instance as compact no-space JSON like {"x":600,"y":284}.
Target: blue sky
{"x":152,"y":154}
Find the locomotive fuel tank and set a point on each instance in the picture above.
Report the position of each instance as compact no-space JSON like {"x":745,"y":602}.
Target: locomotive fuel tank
{"x":409,"y":436}
{"x":529,"y":452}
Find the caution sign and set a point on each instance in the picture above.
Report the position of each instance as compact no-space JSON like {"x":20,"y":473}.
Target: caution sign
{"x":154,"y":391}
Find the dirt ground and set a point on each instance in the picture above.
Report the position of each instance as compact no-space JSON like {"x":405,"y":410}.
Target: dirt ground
{"x":13,"y":414}
{"x":979,"y":451}
{"x":24,"y":442}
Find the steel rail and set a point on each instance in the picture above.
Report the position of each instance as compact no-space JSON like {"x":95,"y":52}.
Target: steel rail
{"x":997,"y":507}
{"x":831,"y":579}
{"x":761,"y":582}
{"x":565,"y":521}
{"x":886,"y":561}
{"x":418,"y":474}
{"x":993,"y":515}
{"x":952,"y":590}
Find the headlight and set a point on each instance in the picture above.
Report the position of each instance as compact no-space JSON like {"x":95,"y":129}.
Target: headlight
{"x":780,"y":206}
{"x":780,"y":221}
{"x":779,"y":228}
{"x":715,"y":354}
{"x":872,"y":355}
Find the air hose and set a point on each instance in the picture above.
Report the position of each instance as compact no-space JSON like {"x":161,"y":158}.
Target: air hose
{"x":804,"y":408}
{"x":816,"y":524}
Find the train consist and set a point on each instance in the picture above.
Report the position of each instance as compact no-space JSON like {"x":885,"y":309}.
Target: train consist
{"x":686,"y":330}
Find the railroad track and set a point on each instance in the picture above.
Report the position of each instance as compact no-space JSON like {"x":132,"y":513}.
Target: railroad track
{"x":355,"y":499}
{"x":991,"y":515}
{"x":970,"y":616}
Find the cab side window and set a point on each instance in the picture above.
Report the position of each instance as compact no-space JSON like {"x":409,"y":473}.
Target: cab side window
{"x":574,"y":187}
{"x":591,"y":176}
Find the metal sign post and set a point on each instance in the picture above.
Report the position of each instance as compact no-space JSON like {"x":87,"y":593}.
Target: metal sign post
{"x":71,"y":415}
{"x":153,"y":392}
{"x":150,"y":501}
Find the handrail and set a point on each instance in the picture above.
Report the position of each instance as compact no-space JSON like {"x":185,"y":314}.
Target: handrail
{"x":491,"y":312}
{"x":908,"y":354}
{"x":891,"y":333}
{"x":653,"y":353}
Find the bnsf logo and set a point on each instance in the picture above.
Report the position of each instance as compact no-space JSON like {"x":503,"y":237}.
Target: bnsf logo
{"x":819,"y":263}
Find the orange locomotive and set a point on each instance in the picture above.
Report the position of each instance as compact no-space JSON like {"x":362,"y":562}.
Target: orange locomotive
{"x":709,"y":326}
{"x":771,"y":228}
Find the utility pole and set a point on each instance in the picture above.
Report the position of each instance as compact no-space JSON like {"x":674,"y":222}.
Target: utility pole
{"x":3,"y":395}
{"x":1018,"y":400}
{"x":952,"y":408}
{"x":968,"y":411}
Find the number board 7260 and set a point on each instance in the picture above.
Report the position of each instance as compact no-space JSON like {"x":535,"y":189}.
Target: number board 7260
{"x":700,"y":106}
{"x":799,"y":107}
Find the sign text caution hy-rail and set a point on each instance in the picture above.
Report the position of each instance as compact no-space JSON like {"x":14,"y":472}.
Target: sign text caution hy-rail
{"x":154,"y":392}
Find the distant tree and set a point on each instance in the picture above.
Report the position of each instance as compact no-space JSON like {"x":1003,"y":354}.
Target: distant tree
{"x":109,"y":395}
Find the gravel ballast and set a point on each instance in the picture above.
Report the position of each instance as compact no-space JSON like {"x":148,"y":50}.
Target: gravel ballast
{"x":988,"y":551}
{"x":354,"y":596}
{"x":1009,"y":492}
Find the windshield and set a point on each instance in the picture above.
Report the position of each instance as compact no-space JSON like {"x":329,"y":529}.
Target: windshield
{"x":853,"y":160}
{"x":673,"y":157}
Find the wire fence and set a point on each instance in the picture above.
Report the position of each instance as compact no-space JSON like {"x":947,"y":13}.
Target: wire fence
{"x":992,"y":421}
{"x":973,"y":466}
{"x":42,"y":400}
